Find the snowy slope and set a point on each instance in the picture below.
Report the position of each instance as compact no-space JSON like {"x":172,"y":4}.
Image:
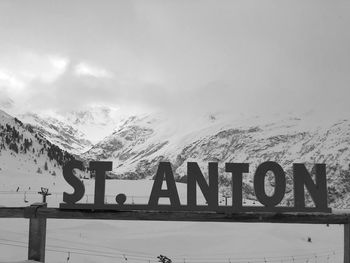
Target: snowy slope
{"x":24,"y":151}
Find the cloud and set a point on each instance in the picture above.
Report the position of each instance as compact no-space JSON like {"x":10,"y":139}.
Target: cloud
{"x":56,"y":83}
{"x":8,"y":80}
{"x":90,"y":70}
{"x":74,"y":92}
{"x":233,"y":56}
{"x":6,"y":102}
{"x":17,"y":71}
{"x":58,"y":66}
{"x":51,"y":82}
{"x":66,"y":84}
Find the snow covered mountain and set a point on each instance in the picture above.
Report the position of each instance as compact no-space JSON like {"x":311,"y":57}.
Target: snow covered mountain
{"x":58,"y":132}
{"x":140,"y":142}
{"x":24,"y":151}
{"x":95,"y":121}
{"x":74,"y":131}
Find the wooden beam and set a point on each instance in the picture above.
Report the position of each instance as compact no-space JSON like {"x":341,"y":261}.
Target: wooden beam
{"x":301,"y":218}
{"x":336,"y":217}
{"x":346,"y":243}
{"x":198,"y":208}
{"x":12,"y":212}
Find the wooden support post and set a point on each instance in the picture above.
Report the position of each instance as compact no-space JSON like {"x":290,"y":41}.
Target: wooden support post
{"x":37,"y":234}
{"x":347,"y":243}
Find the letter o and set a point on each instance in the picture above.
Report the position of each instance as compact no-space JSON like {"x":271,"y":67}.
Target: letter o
{"x":259,"y":184}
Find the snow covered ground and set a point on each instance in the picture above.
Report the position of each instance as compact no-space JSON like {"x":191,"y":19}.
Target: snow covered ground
{"x":108,"y":241}
{"x":138,"y":241}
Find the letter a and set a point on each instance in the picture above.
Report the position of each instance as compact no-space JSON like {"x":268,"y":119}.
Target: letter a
{"x":164,"y":170}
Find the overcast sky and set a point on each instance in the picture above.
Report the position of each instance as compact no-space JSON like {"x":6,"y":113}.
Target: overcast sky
{"x":237,"y":56}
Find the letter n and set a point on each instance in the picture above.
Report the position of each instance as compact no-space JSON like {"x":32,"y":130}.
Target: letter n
{"x":317,"y":189}
{"x":210,"y":192}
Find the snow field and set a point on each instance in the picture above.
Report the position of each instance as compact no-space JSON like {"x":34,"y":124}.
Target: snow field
{"x":141,"y":241}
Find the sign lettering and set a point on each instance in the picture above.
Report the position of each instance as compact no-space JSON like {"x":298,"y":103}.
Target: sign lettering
{"x":270,"y":203}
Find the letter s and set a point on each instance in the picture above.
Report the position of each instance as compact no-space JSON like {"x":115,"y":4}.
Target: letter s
{"x":74,"y":181}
